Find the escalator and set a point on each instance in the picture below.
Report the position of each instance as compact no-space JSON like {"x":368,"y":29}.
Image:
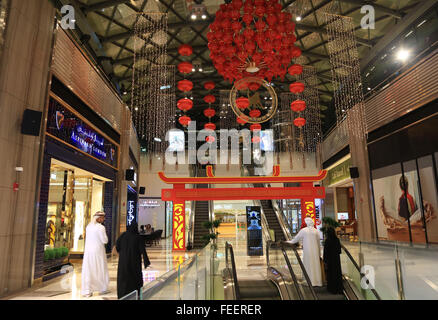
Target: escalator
{"x":201,"y":212}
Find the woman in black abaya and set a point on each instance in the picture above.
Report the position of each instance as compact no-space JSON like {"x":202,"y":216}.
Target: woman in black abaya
{"x":130,"y":246}
{"x":332,"y":262}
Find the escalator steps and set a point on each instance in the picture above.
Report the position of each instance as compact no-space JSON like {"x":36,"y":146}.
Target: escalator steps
{"x":258,"y":290}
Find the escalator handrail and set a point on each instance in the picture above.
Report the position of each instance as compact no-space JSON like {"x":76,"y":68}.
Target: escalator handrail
{"x":358,"y":269}
{"x":289,"y":266}
{"x":303,"y":269}
{"x":229,"y":247}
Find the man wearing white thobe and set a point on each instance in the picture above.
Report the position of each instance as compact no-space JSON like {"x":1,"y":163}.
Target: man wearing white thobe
{"x":95,"y":275}
{"x":311,"y":251}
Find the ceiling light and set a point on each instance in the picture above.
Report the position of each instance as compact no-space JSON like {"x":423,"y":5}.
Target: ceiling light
{"x":136,"y":108}
{"x":423,"y":22}
{"x":200,"y":69}
{"x":204,"y":17}
{"x":157,"y":139}
{"x":402,"y":55}
{"x":193,"y":16}
{"x":369,"y":88}
{"x":193,"y":70}
{"x":298,"y":18}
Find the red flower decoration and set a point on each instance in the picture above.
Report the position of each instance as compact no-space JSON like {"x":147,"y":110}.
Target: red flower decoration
{"x":298,"y":105}
{"x":185,"y":67}
{"x":185,"y":104}
{"x":185,"y":85}
{"x":299,"y":122}
{"x":185,"y":50}
{"x":296,"y":87}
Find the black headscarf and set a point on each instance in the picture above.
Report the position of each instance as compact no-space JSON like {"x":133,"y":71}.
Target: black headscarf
{"x":331,"y":233}
{"x":133,"y":228}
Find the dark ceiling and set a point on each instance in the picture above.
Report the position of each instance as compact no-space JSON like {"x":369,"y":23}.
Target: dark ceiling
{"x":112,"y":22}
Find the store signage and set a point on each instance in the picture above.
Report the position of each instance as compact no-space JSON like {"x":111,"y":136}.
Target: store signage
{"x":340,"y":172}
{"x":254,"y":231}
{"x":72,"y":130}
{"x":150,"y":204}
{"x":131,"y":212}
{"x":179,"y":227}
{"x":308,"y":208}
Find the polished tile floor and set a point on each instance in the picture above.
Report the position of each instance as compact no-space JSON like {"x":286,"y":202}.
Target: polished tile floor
{"x":68,"y":287}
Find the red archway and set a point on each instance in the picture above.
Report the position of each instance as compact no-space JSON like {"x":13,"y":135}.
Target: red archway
{"x":179,"y":194}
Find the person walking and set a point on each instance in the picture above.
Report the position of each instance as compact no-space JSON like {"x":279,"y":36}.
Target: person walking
{"x":311,"y":251}
{"x":131,"y":247}
{"x":332,"y":262}
{"x":95,"y":276}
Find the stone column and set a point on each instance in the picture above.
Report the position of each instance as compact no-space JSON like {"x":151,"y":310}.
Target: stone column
{"x":24,"y":74}
{"x":362,"y":188}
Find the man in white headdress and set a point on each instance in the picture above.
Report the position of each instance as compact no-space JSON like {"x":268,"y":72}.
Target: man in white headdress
{"x":95,"y":275}
{"x":311,"y":251}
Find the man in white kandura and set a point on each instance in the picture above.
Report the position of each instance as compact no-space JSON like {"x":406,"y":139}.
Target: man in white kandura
{"x":95,"y":275}
{"x":311,"y":251}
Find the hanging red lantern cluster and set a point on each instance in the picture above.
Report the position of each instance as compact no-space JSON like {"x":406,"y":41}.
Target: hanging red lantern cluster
{"x":209,"y":113}
{"x":298,"y":106}
{"x":184,"y":120}
{"x":185,"y":50}
{"x":296,"y":87}
{"x":209,"y":85}
{"x":255,"y":113}
{"x":242,"y":103}
{"x":210,"y":98}
{"x":299,"y":122}
{"x":252,"y":38}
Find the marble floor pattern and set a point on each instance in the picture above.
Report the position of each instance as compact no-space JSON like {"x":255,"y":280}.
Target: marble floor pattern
{"x":68,"y":287}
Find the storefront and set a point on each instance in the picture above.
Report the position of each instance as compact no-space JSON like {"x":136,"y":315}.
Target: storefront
{"x":80,"y":167}
{"x":403,"y":165}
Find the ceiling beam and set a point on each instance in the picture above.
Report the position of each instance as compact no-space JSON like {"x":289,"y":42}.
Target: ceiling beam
{"x":103,"y":5}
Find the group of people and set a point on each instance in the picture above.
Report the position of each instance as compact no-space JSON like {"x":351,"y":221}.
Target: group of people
{"x":146,"y":229}
{"x":310,"y":237}
{"x":131,"y":248}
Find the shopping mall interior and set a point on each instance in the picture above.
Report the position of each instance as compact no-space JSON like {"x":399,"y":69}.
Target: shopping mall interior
{"x":256,"y":149}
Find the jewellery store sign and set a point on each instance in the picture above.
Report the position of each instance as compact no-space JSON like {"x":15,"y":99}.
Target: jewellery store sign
{"x":66,"y":126}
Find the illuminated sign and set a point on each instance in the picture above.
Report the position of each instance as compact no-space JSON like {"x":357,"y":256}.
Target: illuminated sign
{"x":131,"y":212}
{"x":254,"y":231}
{"x":178,"y":227}
{"x":308,"y":208}
{"x":65,"y":125}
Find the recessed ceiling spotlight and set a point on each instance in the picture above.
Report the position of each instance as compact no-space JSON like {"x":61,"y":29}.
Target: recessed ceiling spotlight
{"x":193,"y":16}
{"x":402,"y":55}
{"x":200,"y":69}
{"x":204,"y":17}
{"x":298,"y":18}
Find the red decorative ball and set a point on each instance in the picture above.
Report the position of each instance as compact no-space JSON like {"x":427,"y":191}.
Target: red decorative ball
{"x":185,"y":85}
{"x":185,"y":104}
{"x":242,"y":103}
{"x":255,"y":113}
{"x":210,"y":98}
{"x":184,"y":120}
{"x":185,"y":50}
{"x":209,"y":85}
{"x":296,"y":87}
{"x":209,"y":113}
{"x":298,"y":106}
{"x":185,"y":67}
{"x":295,"y":69}
{"x":210,"y":126}
{"x":299,"y":122}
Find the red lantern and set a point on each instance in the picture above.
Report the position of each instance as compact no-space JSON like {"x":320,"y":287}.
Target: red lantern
{"x":242,"y":103}
{"x":298,"y":106}
{"x":255,"y":113}
{"x":299,"y":122}
{"x":296,"y":52}
{"x":210,"y":139}
{"x":295,"y":69}
{"x":185,"y":50}
{"x":185,"y":85}
{"x":209,"y":113}
{"x":255,"y":127}
{"x":209,"y":85}
{"x":210,"y":98}
{"x":185,"y":104}
{"x":254,"y":86}
{"x":185,"y":67}
{"x":210,"y":126}
{"x":296,"y":87}
{"x":241,"y":120}
{"x":184,"y":121}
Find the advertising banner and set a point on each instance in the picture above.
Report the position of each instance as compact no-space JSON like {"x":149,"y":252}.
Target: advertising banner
{"x":179,"y":226}
{"x":308,"y":208}
{"x":254,"y":231}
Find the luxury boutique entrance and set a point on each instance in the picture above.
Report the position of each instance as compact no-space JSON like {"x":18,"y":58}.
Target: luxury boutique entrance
{"x":74,"y":195}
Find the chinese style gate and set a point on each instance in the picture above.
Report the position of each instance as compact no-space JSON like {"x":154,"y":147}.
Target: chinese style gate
{"x":307,"y":192}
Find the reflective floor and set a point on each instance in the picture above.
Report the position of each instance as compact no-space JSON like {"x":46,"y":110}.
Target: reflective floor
{"x":68,"y":287}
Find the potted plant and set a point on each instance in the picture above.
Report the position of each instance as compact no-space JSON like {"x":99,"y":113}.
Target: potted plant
{"x":212,"y":227}
{"x":328,"y":222}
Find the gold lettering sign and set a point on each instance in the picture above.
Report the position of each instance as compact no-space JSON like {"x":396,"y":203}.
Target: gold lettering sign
{"x":178,"y":226}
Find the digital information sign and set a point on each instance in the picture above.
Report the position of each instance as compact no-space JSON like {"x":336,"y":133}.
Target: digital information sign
{"x":254,"y":231}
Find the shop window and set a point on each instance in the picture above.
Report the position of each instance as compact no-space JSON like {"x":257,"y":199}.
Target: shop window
{"x":74,"y":195}
{"x":429,"y":196}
